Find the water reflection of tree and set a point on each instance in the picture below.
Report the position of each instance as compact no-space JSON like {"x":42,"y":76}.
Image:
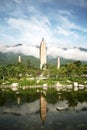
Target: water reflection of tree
{"x":29,"y":95}
{"x":2,"y":99}
{"x":52,"y":96}
{"x":7,"y":96}
{"x":82,"y":96}
{"x":72,"y":99}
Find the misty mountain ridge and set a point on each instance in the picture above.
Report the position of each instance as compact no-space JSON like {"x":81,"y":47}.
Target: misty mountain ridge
{"x":9,"y":54}
{"x":12,"y":58}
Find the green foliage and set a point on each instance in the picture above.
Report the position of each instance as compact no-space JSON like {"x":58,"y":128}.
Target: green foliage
{"x":12,"y":58}
{"x":19,"y":72}
{"x":77,"y":63}
{"x":27,"y":82}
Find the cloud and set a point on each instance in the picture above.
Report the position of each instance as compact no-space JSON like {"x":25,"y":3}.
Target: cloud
{"x":29,"y":21}
{"x":25,"y":49}
{"x":36,"y":27}
{"x":68,"y":31}
{"x":68,"y":53}
{"x":64,"y":12}
{"x":80,"y":3}
{"x":63,"y":31}
{"x":72,"y":53}
{"x":67,"y":24}
{"x":33,"y":29}
{"x":18,"y":1}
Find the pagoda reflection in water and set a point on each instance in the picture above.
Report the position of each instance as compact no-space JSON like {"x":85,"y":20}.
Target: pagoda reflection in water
{"x":18,"y":100}
{"x":43,"y":108}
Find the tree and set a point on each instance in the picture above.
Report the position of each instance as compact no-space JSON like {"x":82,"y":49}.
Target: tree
{"x":29,"y":66}
{"x":71,"y":69}
{"x":3,"y":72}
{"x":77,"y":63}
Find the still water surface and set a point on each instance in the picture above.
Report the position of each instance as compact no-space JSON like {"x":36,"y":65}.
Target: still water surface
{"x":20,"y":113}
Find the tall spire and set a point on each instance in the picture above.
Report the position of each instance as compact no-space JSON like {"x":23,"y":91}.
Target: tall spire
{"x":58,"y":62}
{"x":42,"y":54}
{"x":42,"y":39}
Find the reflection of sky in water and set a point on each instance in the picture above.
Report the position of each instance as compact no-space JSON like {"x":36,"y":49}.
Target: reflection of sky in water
{"x":34,"y":107}
{"x":52,"y":107}
{"x":80,"y":106}
{"x":22,"y":109}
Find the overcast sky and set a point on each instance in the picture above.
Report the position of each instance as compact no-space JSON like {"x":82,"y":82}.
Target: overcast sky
{"x":60,"y":22}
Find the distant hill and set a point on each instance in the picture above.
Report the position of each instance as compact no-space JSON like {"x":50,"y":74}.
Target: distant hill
{"x":12,"y":58}
{"x":53,"y":61}
{"x":83,"y":49}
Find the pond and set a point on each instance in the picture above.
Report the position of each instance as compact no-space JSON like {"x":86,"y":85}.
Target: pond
{"x":53,"y":110}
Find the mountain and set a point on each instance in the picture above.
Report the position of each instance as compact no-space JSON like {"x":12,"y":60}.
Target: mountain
{"x":12,"y":58}
{"x":83,"y":49}
{"x":53,"y":61}
{"x":18,"y":45}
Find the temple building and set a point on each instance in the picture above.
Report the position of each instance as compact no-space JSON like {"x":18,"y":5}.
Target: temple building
{"x":58,"y":62}
{"x":42,"y":54}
